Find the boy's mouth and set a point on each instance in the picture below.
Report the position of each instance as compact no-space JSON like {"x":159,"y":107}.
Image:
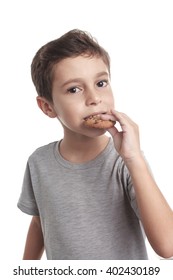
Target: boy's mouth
{"x":96,"y":121}
{"x":94,"y":115}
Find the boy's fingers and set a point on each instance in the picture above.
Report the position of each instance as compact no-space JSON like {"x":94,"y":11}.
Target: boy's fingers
{"x":122,"y":118}
{"x":113,"y":131}
{"x":106,"y":117}
{"x":119,"y":117}
{"x":115,"y":116}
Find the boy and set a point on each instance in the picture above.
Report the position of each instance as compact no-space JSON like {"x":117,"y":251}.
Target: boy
{"x":88,"y":192}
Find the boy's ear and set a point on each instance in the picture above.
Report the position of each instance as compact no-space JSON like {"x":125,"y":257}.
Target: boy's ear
{"x":46,"y":107}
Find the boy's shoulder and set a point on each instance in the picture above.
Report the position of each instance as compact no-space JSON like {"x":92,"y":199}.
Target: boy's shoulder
{"x":43,"y":151}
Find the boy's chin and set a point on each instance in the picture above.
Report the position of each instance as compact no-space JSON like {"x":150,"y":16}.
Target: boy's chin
{"x":95,"y":132}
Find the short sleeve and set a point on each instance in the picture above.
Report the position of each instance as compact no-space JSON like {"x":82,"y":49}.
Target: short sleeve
{"x":27,"y":202}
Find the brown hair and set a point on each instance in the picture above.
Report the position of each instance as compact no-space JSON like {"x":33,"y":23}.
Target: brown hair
{"x":71,"y":44}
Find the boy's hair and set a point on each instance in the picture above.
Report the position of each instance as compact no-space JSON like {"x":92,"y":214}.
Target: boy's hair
{"x":72,"y":44}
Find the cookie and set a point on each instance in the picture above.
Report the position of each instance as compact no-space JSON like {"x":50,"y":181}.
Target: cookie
{"x":96,"y":122}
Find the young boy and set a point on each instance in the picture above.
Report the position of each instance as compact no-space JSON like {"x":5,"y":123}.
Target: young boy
{"x":88,"y":192}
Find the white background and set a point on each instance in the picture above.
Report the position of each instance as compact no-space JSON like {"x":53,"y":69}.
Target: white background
{"x":139,"y":38}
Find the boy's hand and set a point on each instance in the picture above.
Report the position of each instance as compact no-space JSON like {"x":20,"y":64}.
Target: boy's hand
{"x":127,"y":141}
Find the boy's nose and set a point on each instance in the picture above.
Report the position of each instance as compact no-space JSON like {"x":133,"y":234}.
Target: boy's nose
{"x":93,"y":98}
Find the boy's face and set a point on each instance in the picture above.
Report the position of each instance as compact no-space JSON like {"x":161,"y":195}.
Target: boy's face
{"x":81,"y":87}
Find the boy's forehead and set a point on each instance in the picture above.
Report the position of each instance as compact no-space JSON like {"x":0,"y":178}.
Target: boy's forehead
{"x":79,"y":66}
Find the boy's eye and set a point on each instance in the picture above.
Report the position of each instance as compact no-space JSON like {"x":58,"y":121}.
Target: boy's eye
{"x":102,"y":83}
{"x":73,"y":90}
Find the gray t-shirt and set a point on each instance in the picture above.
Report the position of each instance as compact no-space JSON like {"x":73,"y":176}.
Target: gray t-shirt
{"x":87,"y":211}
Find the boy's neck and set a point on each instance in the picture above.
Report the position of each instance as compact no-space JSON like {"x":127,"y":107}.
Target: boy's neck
{"x":82,"y":149}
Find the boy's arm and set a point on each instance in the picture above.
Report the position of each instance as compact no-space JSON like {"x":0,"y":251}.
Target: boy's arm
{"x":34,"y":246}
{"x":155,"y":213}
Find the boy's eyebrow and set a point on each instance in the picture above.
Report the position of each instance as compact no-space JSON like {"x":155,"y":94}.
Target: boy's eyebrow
{"x":103,"y":73}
